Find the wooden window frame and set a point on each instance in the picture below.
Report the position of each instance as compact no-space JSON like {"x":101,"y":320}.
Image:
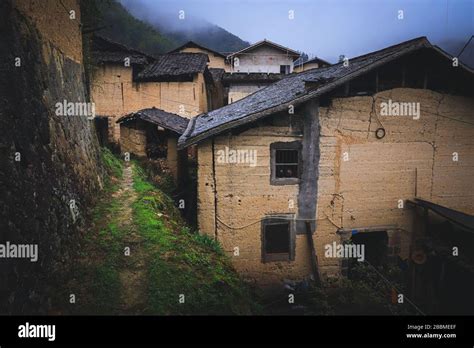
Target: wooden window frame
{"x":276,"y":220}
{"x":293,"y":145}
{"x":287,"y":69}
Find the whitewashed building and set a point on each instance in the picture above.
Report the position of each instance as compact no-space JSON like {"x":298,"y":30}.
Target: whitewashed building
{"x":264,"y":57}
{"x":257,"y":66}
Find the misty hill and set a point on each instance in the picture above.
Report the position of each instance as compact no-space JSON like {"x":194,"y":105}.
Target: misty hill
{"x":153,"y":35}
{"x":185,"y":28}
{"x":213,"y":37}
{"x":116,"y":23}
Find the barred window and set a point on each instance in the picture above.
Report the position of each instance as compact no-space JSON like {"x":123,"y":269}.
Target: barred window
{"x":285,"y":163}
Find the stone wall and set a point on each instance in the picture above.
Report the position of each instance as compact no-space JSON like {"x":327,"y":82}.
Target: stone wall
{"x":362,"y":191}
{"x":47,"y":160}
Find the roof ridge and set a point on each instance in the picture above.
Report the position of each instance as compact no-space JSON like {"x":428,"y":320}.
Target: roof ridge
{"x":292,"y":90}
{"x":420,"y":38}
{"x":198,"y":45}
{"x":121,"y":45}
{"x":283,"y":48}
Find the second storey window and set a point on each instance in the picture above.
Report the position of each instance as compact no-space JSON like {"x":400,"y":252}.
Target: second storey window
{"x":285,"y":163}
{"x":284,"y":69}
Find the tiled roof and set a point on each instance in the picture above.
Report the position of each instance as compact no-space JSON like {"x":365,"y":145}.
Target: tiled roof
{"x":159,"y":117}
{"x":196,"y":45}
{"x":251,"y":77}
{"x":174,"y":67}
{"x":266,"y":42}
{"x":313,"y":60}
{"x":106,"y":51}
{"x":294,"y":89}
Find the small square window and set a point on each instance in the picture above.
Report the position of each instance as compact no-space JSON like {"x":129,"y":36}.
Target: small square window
{"x":284,"y":69}
{"x":277,"y":240}
{"x":285,"y":163}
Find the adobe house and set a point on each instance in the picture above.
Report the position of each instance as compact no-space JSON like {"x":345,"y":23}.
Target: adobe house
{"x":313,"y":63}
{"x":154,"y":133}
{"x":180,"y":81}
{"x":217,"y":65}
{"x":112,"y":70}
{"x":332,"y":154}
{"x":256,"y":67}
{"x":216,"y":60}
{"x":239,"y":85}
{"x":124,"y":81}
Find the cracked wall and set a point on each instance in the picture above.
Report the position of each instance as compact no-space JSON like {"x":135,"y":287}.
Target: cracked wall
{"x":415,"y":156}
{"x":116,"y":94}
{"x":361,"y":192}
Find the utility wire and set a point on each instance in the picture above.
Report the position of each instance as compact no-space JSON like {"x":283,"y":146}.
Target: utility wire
{"x":467,"y":43}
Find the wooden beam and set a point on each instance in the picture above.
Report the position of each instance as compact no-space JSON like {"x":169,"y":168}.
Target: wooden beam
{"x":313,"y":256}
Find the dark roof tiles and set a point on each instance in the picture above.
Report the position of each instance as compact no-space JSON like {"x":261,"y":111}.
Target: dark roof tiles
{"x":293,"y":89}
{"x":106,"y":51}
{"x":159,"y":117}
{"x":174,"y":66}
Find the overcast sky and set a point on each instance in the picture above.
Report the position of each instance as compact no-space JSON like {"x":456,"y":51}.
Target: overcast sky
{"x":326,"y":28}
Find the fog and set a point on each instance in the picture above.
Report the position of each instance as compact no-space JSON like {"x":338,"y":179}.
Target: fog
{"x":323,"y":28}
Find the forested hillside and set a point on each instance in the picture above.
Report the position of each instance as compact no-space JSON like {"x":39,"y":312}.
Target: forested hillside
{"x":111,"y":19}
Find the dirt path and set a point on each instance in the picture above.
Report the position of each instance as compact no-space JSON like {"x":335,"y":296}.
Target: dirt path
{"x":132,"y":271}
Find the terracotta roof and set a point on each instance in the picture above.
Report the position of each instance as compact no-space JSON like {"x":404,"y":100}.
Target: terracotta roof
{"x":295,"y":89}
{"x":106,"y":51}
{"x":196,"y":45}
{"x":174,"y":67}
{"x":159,"y":117}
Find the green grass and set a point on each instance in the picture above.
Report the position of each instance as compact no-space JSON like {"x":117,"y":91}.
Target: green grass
{"x":113,"y":165}
{"x":182,"y":262}
{"x":105,"y":288}
{"x":175,"y":260}
{"x":140,"y":182}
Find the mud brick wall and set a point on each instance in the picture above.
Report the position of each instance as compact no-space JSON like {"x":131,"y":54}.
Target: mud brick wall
{"x":214,"y":61}
{"x":133,"y":140}
{"x":361,"y":192}
{"x":115,"y":94}
{"x":59,"y":155}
